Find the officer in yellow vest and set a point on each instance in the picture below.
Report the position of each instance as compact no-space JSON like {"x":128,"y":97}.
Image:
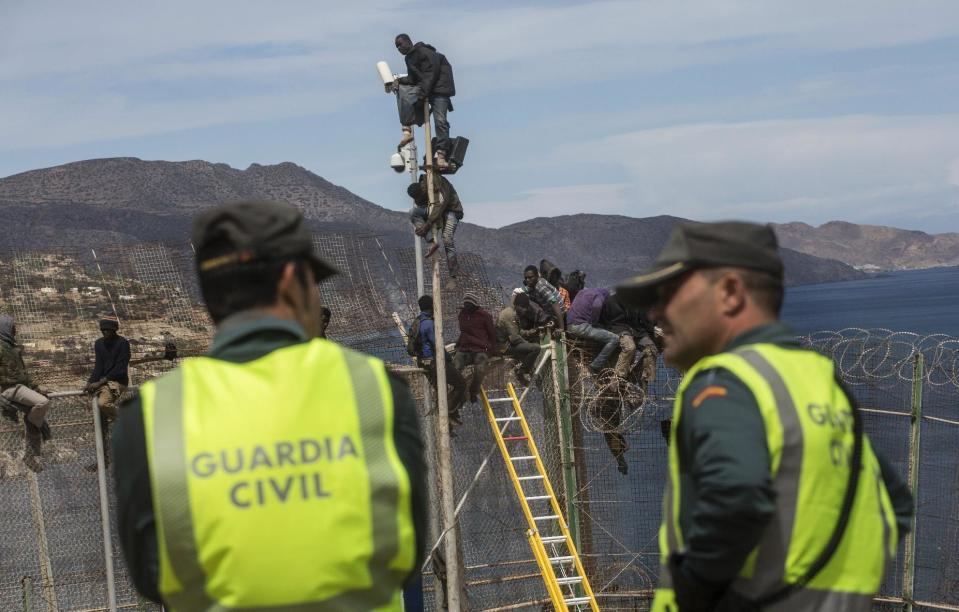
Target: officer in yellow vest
{"x":281,"y":471}
{"x":775,"y":500}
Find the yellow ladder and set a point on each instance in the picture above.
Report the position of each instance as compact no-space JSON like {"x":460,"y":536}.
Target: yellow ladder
{"x":560,"y":565}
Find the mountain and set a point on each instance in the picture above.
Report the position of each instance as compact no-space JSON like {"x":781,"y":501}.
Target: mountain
{"x":128,"y":200}
{"x":872,"y":247}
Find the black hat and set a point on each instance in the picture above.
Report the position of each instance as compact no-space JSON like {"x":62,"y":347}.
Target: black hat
{"x":242,"y":232}
{"x":706,"y":245}
{"x":109,"y":323}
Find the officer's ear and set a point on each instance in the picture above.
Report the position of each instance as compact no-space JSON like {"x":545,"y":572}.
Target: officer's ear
{"x":732,"y":292}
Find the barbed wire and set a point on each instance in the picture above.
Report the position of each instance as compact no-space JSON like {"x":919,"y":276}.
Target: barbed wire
{"x":886,"y":357}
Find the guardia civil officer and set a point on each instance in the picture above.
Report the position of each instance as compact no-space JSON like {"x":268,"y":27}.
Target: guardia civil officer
{"x":775,"y":499}
{"x":280,"y":471}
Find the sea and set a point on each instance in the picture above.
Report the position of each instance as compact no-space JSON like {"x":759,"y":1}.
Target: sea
{"x":920,"y":301}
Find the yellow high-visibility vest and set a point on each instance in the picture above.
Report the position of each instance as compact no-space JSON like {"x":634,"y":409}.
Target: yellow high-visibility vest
{"x":809,"y":434}
{"x":277,"y":484}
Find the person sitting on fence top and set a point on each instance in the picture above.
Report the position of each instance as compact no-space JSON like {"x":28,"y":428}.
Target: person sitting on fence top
{"x":431,"y":71}
{"x":583,"y":323}
{"x":554,"y":276}
{"x":447,"y":213}
{"x":775,"y":498}
{"x":636,"y":332}
{"x":421,"y":344}
{"x":109,"y":378}
{"x":544,"y":294}
{"x":280,"y":471}
{"x":517,"y":338}
{"x":17,"y":387}
{"x":476,"y":343}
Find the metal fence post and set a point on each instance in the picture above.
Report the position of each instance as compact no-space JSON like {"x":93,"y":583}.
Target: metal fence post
{"x":104,"y":507}
{"x":565,"y":430}
{"x":27,"y":584}
{"x":909,"y":562}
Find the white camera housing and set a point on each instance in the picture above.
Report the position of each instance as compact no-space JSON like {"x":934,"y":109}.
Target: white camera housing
{"x":398,"y":162}
{"x":386,"y":75}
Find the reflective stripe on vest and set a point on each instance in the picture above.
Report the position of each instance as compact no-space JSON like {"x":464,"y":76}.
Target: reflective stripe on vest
{"x":808,"y":430}
{"x":277,"y":484}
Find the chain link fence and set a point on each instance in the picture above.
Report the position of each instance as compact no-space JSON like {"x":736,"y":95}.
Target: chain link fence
{"x":51,"y":548}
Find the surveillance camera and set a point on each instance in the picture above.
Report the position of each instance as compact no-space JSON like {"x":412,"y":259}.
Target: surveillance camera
{"x":397,"y":162}
{"x":387,"y":76}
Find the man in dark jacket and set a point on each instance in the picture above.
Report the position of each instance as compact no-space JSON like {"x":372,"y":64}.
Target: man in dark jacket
{"x":261,"y":308}
{"x":447,"y":213}
{"x":476,"y":343}
{"x":109,"y":378}
{"x":18,"y":389}
{"x":431,"y":71}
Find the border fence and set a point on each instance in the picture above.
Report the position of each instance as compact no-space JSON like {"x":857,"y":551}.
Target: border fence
{"x":51,"y":543}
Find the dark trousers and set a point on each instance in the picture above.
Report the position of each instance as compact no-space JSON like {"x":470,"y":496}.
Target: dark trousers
{"x":441,"y":106}
{"x":479,"y":362}
{"x":525,"y":353}
{"x":455,"y":383}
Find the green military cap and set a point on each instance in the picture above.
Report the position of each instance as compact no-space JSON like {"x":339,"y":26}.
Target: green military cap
{"x":695,"y":245}
{"x":244,"y":232}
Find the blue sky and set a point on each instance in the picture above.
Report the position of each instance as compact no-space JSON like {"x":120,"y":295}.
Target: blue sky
{"x":771,"y":111}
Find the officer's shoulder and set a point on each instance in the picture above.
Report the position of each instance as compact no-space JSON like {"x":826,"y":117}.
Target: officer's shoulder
{"x":716,"y":383}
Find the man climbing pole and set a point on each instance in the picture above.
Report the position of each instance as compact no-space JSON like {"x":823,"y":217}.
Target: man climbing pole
{"x":447,"y":213}
{"x":431,"y":72}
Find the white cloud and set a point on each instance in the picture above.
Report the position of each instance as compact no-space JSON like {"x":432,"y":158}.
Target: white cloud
{"x":853,"y":167}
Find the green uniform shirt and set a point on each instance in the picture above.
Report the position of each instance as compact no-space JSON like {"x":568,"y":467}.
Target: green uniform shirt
{"x":727,"y":492}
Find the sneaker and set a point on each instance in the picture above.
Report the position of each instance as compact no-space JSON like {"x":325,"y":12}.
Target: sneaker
{"x":456,"y":418}
{"x":407,"y":137}
{"x":521,"y":375}
{"x":431,"y":251}
{"x":441,"y":163}
{"x":33,"y":463}
{"x":474,"y":399}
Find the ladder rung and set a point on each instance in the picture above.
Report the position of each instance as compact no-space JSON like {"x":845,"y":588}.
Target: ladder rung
{"x":554,"y":539}
{"x":522,"y":458}
{"x":499,"y":400}
{"x":534,"y":497}
{"x":561,"y":559}
{"x":569,"y":580}
{"x":538,"y":477}
{"x":546,"y":517}
{"x":572,"y":601}
{"x":513,"y":418}
{"x":514,"y":438}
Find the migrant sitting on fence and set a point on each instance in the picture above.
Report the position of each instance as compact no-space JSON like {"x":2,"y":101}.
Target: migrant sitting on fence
{"x":109,"y":378}
{"x":476,"y":343}
{"x":20,"y":395}
{"x":421,"y":344}
{"x":544,"y":295}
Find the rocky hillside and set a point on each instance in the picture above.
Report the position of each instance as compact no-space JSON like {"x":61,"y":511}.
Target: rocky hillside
{"x":125,"y":200}
{"x":872,"y":247}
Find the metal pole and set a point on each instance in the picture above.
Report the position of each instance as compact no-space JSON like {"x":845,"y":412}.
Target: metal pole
{"x":909,"y":563}
{"x":27,"y":583}
{"x":444,"y":455}
{"x":414,"y":166}
{"x":104,"y":508}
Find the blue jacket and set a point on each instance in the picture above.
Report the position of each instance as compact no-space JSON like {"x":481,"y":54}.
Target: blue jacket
{"x":427,"y":335}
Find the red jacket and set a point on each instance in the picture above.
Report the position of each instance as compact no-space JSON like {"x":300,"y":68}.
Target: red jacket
{"x":477,"y":332}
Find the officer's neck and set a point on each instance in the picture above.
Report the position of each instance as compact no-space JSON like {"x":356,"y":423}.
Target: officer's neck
{"x":744,"y":322}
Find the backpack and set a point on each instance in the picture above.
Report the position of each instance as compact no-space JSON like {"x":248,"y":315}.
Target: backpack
{"x":414,"y":342}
